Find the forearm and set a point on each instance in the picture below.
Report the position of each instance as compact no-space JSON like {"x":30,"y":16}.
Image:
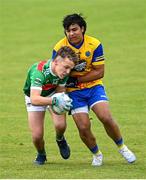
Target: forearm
{"x":41,"y":101}
{"x":91,"y":76}
{"x":95,"y":74}
{"x":60,"y":89}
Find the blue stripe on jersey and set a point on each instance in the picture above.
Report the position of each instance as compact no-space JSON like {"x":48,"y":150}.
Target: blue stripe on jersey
{"x":98,"y":52}
{"x":54,"y":54}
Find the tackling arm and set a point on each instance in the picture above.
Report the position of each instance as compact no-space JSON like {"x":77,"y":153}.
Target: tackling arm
{"x":97,"y":72}
{"x":60,"y":89}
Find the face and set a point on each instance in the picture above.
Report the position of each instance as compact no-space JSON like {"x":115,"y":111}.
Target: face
{"x":63,"y":66}
{"x":74,"y":34}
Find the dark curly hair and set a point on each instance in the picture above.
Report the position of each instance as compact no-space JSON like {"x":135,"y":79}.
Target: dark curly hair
{"x":74,"y":19}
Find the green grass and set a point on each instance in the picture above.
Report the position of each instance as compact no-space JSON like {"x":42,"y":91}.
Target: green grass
{"x":28,"y":31}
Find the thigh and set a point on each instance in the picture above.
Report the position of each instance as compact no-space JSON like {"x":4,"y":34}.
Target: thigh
{"x":102,"y":111}
{"x":82,"y":120}
{"x":36,"y":121}
{"x":58,"y":120}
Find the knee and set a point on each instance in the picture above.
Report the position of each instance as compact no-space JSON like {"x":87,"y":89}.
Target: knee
{"x":60,"y":126}
{"x":37,"y":137}
{"x":84,"y":130}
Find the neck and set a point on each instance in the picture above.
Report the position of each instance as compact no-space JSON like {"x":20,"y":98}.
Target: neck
{"x":77,"y":45}
{"x":52,"y":68}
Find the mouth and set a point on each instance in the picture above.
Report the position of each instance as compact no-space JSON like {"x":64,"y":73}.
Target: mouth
{"x":62,"y":76}
{"x":73,"y":38}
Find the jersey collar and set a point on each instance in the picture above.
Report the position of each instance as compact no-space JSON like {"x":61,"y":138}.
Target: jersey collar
{"x":77,"y":46}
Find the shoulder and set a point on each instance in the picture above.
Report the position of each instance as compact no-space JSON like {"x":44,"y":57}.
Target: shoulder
{"x":38,"y":69}
{"x":92,"y":40}
{"x":60,"y":43}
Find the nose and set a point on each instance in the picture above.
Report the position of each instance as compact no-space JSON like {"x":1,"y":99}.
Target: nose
{"x":67,"y":71}
{"x":71,"y":33}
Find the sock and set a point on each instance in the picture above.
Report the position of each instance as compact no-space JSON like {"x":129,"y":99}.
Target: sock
{"x":42,"y":152}
{"x":120,"y":143}
{"x":59,"y":137}
{"x":95,"y":150}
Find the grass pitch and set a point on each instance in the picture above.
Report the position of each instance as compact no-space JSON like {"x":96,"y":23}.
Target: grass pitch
{"x":28,"y":31}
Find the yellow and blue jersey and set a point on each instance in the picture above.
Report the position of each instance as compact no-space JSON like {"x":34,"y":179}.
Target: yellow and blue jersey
{"x":90,"y":52}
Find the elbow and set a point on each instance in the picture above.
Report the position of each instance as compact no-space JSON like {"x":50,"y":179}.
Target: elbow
{"x":101,"y":75}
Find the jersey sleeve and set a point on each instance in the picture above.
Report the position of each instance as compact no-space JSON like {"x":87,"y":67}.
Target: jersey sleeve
{"x":62,"y":42}
{"x":98,"y":56}
{"x":54,"y":54}
{"x":37,"y":80}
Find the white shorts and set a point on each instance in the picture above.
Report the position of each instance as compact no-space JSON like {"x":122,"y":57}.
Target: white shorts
{"x":31,"y":107}
{"x":84,"y":109}
{"x":80,"y":110}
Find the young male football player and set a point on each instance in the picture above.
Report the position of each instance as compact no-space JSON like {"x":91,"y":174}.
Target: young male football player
{"x":43,"y":80}
{"x":86,"y":89}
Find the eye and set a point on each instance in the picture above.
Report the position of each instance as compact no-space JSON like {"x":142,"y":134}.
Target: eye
{"x":66,"y":67}
{"x":74,"y":29}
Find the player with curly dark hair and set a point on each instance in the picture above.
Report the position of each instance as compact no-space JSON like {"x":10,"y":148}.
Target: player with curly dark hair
{"x":86,"y":88}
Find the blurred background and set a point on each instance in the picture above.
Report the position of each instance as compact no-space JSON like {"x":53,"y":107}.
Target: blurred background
{"x":29,"y":29}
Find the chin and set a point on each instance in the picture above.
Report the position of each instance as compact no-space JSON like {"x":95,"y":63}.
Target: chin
{"x":73,"y":41}
{"x":61,"y":77}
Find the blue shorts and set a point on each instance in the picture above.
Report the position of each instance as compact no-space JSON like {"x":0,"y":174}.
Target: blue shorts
{"x":88,"y":97}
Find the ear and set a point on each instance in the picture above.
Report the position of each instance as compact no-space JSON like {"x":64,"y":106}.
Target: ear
{"x":83,"y":29}
{"x":55,"y":61}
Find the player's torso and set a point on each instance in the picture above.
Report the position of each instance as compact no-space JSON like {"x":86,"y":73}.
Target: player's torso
{"x":42,"y":76}
{"x":85,"y":53}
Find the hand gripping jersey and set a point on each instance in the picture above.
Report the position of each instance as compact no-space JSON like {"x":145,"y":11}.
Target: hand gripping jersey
{"x":90,"y":53}
{"x":40,"y":76}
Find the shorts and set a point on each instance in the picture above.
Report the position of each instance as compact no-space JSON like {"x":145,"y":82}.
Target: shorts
{"x":31,"y":107}
{"x":85,"y":99}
